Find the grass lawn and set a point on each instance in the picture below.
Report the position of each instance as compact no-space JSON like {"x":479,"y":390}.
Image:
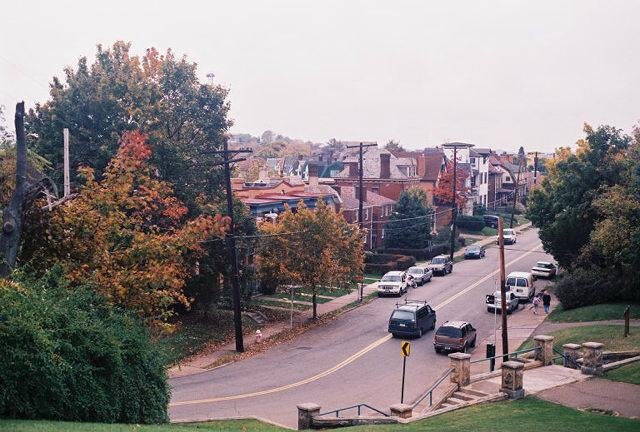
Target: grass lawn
{"x":194,"y":333}
{"x":609,"y":335}
{"x":629,"y":373}
{"x":486,"y":231}
{"x":529,"y":414}
{"x":609,"y":311}
{"x":299,"y":297}
{"x":369,"y":277}
{"x":283,"y":304}
{"x":50,"y":426}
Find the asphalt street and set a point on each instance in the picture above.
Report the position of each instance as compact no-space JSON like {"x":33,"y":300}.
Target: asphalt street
{"x":352,"y":359}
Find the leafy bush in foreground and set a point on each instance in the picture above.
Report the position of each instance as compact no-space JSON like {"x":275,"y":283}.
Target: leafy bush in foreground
{"x":67,"y":355}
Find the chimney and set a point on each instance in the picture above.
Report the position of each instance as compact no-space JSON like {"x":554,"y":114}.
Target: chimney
{"x":353,"y":169}
{"x":313,"y":175}
{"x":385,"y":165}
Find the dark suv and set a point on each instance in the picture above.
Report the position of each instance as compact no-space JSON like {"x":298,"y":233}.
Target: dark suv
{"x":412,"y":318}
{"x":455,"y":336}
{"x":491,"y":221}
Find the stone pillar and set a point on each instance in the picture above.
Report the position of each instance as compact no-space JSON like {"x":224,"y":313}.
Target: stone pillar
{"x":592,"y":358}
{"x":512,"y":373}
{"x":401,"y":410}
{"x":306,"y":411}
{"x":571,"y":354}
{"x":461,"y":365}
{"x":543,"y":345}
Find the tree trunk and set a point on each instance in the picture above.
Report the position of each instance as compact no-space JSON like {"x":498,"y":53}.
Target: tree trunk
{"x":12,"y":214}
{"x":315,"y":305}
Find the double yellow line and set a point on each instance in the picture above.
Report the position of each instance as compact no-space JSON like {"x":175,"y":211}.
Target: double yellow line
{"x":348,"y":360}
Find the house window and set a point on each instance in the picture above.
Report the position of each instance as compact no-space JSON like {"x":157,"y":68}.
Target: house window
{"x":507,"y":178}
{"x":366,"y":215}
{"x":382,"y":233}
{"x":472,"y":161}
{"x":375,"y":189}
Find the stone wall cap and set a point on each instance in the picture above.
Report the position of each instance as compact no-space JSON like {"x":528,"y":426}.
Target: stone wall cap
{"x":308,"y":406}
{"x":459,"y":356}
{"x":571,"y":346}
{"x":594,"y":345}
{"x":543,"y":338}
{"x":513,"y":365}
{"x":400,"y":407}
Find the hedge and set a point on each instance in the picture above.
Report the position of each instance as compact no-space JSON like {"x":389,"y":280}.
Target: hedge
{"x":68,"y":355}
{"x":423,"y":254}
{"x":385,"y":262}
{"x":472,"y":223}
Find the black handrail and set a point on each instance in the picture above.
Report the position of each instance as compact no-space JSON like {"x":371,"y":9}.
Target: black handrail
{"x":359,"y":407}
{"x":513,"y":354}
{"x":429,"y":392}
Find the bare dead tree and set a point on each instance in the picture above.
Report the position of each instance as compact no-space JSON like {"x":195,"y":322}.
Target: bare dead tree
{"x":12,"y":214}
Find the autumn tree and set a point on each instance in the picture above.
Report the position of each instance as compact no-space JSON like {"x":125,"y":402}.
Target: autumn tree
{"x":409,"y":225}
{"x":311,"y":248}
{"x":444,"y":189}
{"x":128,"y":236}
{"x":157,"y":94}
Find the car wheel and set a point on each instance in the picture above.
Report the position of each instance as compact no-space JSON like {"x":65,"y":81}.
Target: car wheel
{"x":438,"y":350}
{"x":464,"y":349}
{"x":473,"y":344}
{"x":420,"y":332}
{"x":433,"y":326}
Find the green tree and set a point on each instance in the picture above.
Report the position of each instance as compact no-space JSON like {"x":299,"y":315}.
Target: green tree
{"x":394,"y":147}
{"x":159,"y":95}
{"x":311,"y":248}
{"x":409,"y":226}
{"x":562,"y":207}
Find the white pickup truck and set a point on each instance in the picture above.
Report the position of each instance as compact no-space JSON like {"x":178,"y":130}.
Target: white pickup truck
{"x":494,"y":302}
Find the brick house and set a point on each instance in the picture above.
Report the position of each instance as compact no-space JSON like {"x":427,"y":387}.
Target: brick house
{"x":375,"y":213}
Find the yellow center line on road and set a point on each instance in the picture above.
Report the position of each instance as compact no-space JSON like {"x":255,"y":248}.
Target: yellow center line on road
{"x":348,"y":360}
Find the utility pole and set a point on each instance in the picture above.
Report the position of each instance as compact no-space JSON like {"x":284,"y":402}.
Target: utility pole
{"x":361,"y":146}
{"x":231,"y":240}
{"x":454,"y":204}
{"x":515,"y":194}
{"x":535,"y":169}
{"x":503,"y":295}
{"x":67,"y":183}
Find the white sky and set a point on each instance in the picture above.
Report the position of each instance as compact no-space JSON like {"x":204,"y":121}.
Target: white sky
{"x":498,"y":74}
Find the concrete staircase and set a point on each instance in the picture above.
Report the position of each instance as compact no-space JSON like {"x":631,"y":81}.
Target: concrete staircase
{"x":464,"y":396}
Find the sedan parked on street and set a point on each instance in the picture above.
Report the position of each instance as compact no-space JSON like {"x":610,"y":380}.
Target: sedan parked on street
{"x":421,"y":275}
{"x":544,"y":269}
{"x":472,"y":251}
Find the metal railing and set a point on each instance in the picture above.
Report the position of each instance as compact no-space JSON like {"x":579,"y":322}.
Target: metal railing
{"x":359,"y":408}
{"x":511,"y":355}
{"x":429,"y":391}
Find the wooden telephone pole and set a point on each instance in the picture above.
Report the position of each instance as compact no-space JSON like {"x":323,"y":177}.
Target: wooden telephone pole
{"x":503,"y":295}
{"x":231,"y":240}
{"x":361,"y":146}
{"x":454,"y":204}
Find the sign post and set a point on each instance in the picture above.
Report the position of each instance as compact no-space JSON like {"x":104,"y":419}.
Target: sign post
{"x":405,"y":350}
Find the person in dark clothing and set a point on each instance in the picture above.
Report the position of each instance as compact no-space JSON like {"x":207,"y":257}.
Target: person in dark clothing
{"x":546,"y":301}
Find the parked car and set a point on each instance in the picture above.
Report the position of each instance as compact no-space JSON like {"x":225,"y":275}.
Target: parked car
{"x":509,"y":236}
{"x":413,"y":318}
{"x":421,"y":275}
{"x":441,"y":265}
{"x":491,"y":221}
{"x":544,"y":269}
{"x":454,"y":336}
{"x":494,"y":302}
{"x":393,"y":283}
{"x":474,"y":252}
{"x":521,"y":284}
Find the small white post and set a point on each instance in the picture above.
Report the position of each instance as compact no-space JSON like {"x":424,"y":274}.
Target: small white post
{"x":67,"y":184}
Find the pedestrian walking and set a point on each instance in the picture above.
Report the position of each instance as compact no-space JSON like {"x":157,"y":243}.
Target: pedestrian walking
{"x":535,"y":304}
{"x":546,"y":301}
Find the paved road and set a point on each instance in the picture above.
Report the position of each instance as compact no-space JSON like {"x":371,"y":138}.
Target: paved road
{"x":352,"y":359}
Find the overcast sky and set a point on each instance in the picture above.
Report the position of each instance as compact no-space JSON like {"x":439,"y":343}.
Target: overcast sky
{"x":497,"y":74}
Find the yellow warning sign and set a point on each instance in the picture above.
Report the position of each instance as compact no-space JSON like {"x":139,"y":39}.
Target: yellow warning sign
{"x":405,"y":349}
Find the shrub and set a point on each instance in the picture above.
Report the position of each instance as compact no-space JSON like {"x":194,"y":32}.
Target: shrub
{"x":405,"y":262}
{"x":379,"y":268}
{"x":472,"y":223}
{"x":586,"y":286}
{"x":68,"y":355}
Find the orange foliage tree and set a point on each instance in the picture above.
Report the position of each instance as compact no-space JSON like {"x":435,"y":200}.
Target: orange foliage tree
{"x":127,"y":235}
{"x":444,"y":189}
{"x":311,"y":248}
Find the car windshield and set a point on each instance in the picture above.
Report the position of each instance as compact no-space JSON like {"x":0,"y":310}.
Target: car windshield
{"x":507,"y":232}
{"x":473,"y":249}
{"x":438,"y":261}
{"x":543,"y":265}
{"x":453,"y":332}
{"x":415,"y":270}
{"x":392,"y":278}
{"x":402,"y":315}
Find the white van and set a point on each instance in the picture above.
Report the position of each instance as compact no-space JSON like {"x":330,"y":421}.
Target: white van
{"x":521,"y":284}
